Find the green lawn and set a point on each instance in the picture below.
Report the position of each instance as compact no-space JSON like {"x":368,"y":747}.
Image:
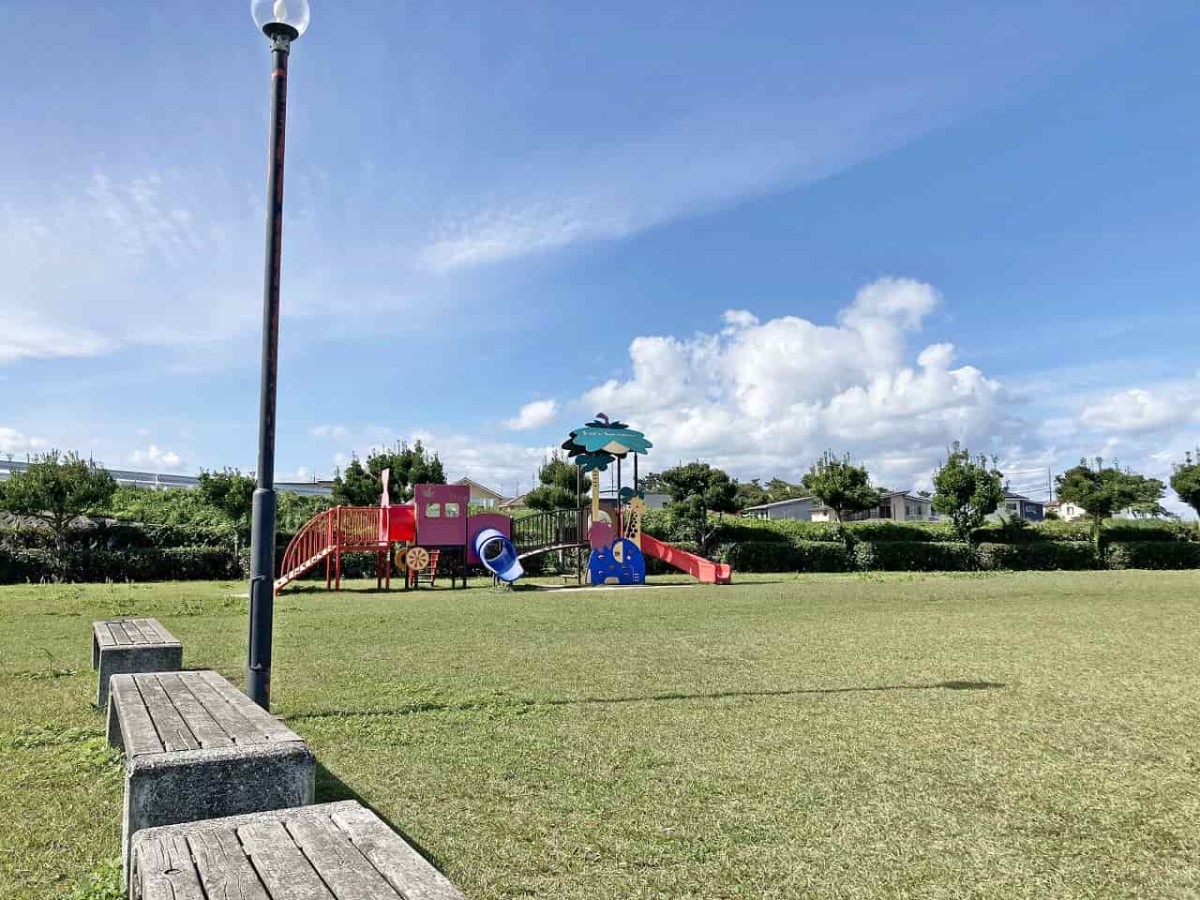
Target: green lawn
{"x":1025,"y":735}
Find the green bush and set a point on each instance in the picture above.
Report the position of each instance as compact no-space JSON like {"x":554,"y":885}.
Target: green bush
{"x":1153,"y":554}
{"x":87,"y":565}
{"x":1145,"y":531}
{"x":912,"y":532}
{"x":1036,"y":555}
{"x":912,"y":556}
{"x":120,"y":536}
{"x":760,"y":556}
{"x":822,"y":556}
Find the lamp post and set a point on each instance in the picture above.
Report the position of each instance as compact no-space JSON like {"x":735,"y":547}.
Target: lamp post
{"x":282,"y":21}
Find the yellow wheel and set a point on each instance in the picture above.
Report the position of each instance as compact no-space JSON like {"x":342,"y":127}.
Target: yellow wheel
{"x":417,"y":558}
{"x":401,"y":557}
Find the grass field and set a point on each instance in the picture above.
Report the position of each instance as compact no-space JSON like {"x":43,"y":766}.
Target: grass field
{"x":1023,"y":735}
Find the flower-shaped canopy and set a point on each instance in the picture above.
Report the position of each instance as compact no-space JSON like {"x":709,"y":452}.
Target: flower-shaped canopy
{"x":599,"y":442}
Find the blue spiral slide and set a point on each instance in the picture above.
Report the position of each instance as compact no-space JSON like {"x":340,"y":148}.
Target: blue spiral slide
{"x":504,"y":565}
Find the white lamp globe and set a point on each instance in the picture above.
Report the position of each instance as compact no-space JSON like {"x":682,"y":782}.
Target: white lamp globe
{"x":282,"y":17}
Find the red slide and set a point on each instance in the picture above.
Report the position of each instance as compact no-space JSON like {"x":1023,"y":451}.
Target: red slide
{"x":697,"y":566}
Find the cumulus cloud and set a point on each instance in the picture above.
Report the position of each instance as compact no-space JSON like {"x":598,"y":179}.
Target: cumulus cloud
{"x":766,"y":397}
{"x":13,"y":441}
{"x":157,"y":458}
{"x":1138,"y":409}
{"x":533,"y":415}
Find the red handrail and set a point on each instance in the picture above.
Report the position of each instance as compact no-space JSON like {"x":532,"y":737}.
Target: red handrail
{"x":343,"y":528}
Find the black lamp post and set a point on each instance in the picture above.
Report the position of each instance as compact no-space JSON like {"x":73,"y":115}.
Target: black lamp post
{"x":282,"y":21}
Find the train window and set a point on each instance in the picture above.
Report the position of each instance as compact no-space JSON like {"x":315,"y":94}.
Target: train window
{"x":433,"y":510}
{"x":451,"y":510}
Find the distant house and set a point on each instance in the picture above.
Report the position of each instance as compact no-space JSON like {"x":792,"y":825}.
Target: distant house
{"x":1018,"y":506}
{"x":482,"y":495}
{"x":514,"y":503}
{"x":797,"y":508}
{"x":897,"y":506}
{"x":653,"y":499}
{"x":1069,"y":512}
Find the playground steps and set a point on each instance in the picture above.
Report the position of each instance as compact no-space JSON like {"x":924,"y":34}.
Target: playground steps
{"x":295,"y":572}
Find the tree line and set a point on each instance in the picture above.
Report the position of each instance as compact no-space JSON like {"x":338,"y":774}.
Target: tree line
{"x":967,"y":489}
{"x":57,"y":488}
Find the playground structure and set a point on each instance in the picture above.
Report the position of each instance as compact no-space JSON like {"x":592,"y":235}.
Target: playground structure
{"x":436,"y":529}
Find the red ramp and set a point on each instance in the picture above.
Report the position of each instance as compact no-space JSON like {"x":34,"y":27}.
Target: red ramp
{"x":697,"y":566}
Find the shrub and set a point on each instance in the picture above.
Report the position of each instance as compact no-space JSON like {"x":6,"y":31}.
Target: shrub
{"x":1037,"y":555}
{"x":913,"y":532}
{"x":822,"y":556}
{"x":88,"y":565}
{"x":1153,"y":554}
{"x":912,"y":556}
{"x":761,"y":556}
{"x":1145,"y":531}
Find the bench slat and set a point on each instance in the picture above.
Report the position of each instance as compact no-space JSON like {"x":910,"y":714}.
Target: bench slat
{"x":119,"y":634}
{"x":236,"y":726}
{"x":154,"y":631}
{"x":104,"y":635}
{"x":138,"y":734}
{"x":167,"y":872}
{"x":349,"y":874}
{"x":270,"y":727}
{"x":201,"y":723}
{"x":134,"y":630}
{"x":406,"y":869}
{"x":173,"y":731}
{"x":224,"y":869}
{"x":284,"y":870}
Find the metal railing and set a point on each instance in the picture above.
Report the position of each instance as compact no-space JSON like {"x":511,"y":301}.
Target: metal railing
{"x":556,"y":528}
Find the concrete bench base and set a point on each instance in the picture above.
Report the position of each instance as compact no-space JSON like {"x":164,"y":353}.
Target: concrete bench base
{"x":314,"y":853}
{"x":123,"y":646}
{"x":198,"y":748}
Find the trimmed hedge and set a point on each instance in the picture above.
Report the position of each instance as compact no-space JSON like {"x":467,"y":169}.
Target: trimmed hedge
{"x":1152,"y":554}
{"x":119,"y":536}
{"x":782,"y":556}
{"x":168,"y":564}
{"x":912,"y":556}
{"x":1037,"y":556}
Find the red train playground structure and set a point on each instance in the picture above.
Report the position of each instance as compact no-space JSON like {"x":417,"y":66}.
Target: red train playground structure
{"x":438,"y":529}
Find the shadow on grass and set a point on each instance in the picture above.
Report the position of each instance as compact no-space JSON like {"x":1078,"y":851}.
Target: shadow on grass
{"x":651,"y":698}
{"x":331,"y":789}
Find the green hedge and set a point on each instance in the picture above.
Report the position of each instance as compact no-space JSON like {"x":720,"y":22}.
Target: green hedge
{"x":119,"y":536}
{"x":912,"y":556}
{"x":1039,"y":555}
{"x":1153,"y":554}
{"x":170,"y":564}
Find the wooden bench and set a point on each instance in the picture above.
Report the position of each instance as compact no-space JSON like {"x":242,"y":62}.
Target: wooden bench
{"x":198,"y":748}
{"x":334,"y":850}
{"x":132,"y":645}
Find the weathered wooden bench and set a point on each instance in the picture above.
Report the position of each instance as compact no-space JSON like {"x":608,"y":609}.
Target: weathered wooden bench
{"x":121,"y":646}
{"x":198,"y":748}
{"x":334,"y":850}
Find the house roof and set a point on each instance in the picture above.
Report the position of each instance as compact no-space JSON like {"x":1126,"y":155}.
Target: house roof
{"x":778,"y":503}
{"x":480,"y":488}
{"x":887,"y":495}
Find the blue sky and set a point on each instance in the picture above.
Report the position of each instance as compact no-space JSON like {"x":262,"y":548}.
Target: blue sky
{"x":753,"y":230}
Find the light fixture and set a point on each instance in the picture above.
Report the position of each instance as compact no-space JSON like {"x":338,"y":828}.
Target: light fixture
{"x":281,"y":18}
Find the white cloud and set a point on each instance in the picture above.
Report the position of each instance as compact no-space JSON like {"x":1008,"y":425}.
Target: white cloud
{"x":533,"y":415}
{"x":330,"y":432}
{"x":766,"y":397}
{"x":13,"y":441}
{"x":157,"y":458}
{"x":1138,"y":409}
{"x":104,"y":263}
